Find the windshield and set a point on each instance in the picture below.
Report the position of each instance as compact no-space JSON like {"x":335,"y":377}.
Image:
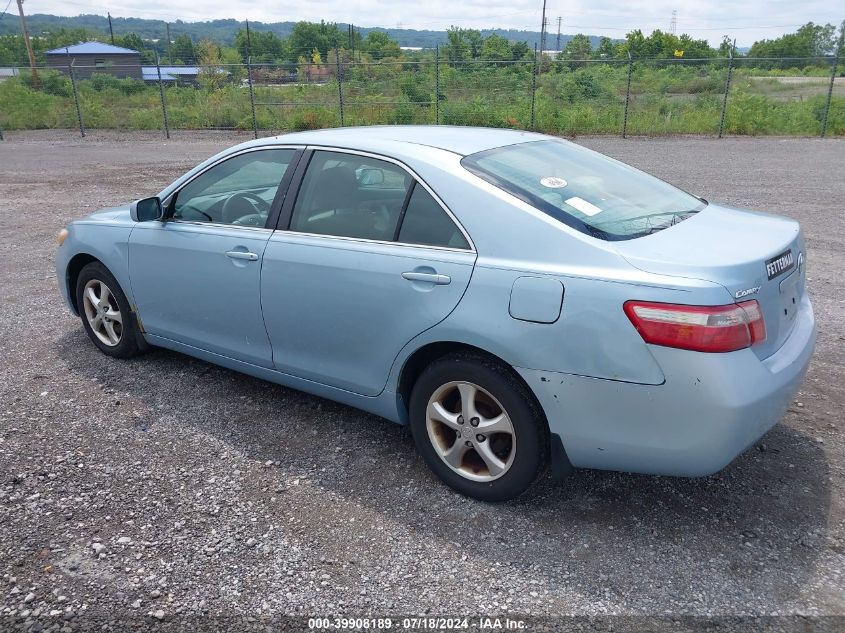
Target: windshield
{"x":590,"y":192}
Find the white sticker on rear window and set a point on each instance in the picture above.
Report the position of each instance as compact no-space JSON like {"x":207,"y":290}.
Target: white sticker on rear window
{"x":553,"y":182}
{"x":587,"y":208}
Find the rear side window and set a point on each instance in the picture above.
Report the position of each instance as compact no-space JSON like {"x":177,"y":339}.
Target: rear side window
{"x":357,"y":196}
{"x":426,"y":223}
{"x":583,"y":189}
{"x":349,"y":195}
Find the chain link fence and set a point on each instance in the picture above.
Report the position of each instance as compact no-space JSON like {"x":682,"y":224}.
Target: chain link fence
{"x":561,"y":96}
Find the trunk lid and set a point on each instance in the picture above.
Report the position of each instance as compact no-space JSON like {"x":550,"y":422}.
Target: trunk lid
{"x":753,"y":255}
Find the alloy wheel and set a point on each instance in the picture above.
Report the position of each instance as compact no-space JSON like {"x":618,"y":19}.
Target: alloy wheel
{"x":102,"y":312}
{"x":471,"y":431}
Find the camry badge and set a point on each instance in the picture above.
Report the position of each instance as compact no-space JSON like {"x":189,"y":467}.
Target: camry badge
{"x":748,"y":291}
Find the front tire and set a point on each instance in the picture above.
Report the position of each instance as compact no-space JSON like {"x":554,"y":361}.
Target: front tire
{"x":478,"y":427}
{"x":105,"y":313}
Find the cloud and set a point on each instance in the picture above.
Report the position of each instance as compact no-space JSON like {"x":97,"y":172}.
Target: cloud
{"x":747,"y":22}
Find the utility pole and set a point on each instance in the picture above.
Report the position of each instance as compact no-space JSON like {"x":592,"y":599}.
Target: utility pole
{"x":169,"y":49}
{"x":34,"y":70}
{"x":834,"y":64}
{"x":111,"y":30}
{"x":248,"y":41}
{"x":543,"y":30}
{"x":559,"y":19}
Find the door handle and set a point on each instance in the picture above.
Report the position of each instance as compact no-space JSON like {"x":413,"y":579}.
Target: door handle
{"x":432,"y":278}
{"x":242,"y":255}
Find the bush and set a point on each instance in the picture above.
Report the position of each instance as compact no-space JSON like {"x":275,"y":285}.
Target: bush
{"x":411,"y":86}
{"x":51,"y":82}
{"x":311,"y":120}
{"x":103,"y":81}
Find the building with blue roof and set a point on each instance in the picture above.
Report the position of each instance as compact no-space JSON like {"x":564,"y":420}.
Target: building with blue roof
{"x":88,"y":58}
{"x":183,"y":75}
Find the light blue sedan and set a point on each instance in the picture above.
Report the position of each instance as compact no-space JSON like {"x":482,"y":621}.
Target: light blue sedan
{"x":522,"y":303}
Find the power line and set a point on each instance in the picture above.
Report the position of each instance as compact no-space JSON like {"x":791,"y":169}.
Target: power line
{"x":6,"y":9}
{"x":559,"y":20}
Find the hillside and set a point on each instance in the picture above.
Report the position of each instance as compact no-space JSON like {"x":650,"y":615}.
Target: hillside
{"x":224,"y":31}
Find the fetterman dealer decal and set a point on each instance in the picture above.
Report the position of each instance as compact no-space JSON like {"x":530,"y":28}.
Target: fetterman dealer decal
{"x":779,"y":264}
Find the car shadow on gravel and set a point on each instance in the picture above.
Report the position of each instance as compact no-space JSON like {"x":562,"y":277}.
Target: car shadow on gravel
{"x":757,"y":527}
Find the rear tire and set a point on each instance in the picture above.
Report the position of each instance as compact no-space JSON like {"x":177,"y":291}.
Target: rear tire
{"x":501,"y":449}
{"x":106,"y":315}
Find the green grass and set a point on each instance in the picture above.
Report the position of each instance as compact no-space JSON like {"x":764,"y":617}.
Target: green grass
{"x":665,"y":99}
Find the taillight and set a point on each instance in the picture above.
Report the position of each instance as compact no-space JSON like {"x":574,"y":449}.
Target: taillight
{"x":698,"y":328}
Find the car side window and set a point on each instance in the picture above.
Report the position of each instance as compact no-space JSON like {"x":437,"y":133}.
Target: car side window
{"x":349,"y":195}
{"x":425,"y":222}
{"x":239,"y":191}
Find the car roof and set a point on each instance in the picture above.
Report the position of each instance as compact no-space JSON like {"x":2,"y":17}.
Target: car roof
{"x":459,"y":140}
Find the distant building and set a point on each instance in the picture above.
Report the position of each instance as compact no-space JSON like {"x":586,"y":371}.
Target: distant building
{"x":6,"y":73}
{"x":179,"y":75}
{"x":88,"y":58}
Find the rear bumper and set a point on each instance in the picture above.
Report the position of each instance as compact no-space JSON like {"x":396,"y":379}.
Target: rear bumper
{"x":709,"y":410}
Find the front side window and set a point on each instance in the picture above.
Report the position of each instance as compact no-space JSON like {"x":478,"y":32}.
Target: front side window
{"x":583,"y":189}
{"x":239,"y":191}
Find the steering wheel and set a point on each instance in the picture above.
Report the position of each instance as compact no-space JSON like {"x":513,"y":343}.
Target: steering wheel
{"x":232,"y":214}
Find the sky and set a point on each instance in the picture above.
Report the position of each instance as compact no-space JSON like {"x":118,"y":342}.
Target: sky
{"x":746,"y":21}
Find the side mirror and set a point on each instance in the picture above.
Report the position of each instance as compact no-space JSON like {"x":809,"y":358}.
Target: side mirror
{"x":370,"y":176}
{"x":146,"y":209}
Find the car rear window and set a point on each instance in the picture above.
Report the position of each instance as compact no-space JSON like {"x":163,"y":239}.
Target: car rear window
{"x":595,"y":194}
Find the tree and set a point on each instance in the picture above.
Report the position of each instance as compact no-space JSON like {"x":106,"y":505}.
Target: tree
{"x":578,"y":47}
{"x":379,"y":45}
{"x":811,"y":40}
{"x":210,"y":76}
{"x":660,"y":44}
{"x":457,"y":48}
{"x":605,"y":48}
{"x":496,"y":48}
{"x":306,"y":36}
{"x":131,"y":41}
{"x":474,"y":41}
{"x":262,"y":46}
{"x":134,"y":42}
{"x":183,"y":49}
{"x":521,"y":51}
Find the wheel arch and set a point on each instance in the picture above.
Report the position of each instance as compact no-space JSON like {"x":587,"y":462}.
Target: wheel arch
{"x":422,"y":357}
{"x":74,"y":267}
{"x":556,"y":457}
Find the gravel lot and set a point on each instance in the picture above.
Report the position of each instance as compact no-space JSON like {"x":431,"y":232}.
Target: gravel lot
{"x":167,"y":493}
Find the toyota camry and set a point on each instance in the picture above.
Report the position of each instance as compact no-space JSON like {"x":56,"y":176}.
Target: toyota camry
{"x":524,"y":304}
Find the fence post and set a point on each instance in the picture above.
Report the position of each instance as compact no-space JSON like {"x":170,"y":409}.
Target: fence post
{"x":76,"y":99}
{"x":339,"y":84}
{"x":835,"y":63}
{"x":437,"y":84}
{"x":727,"y":90}
{"x":627,"y":96}
{"x":533,"y":87}
{"x":251,"y":95}
{"x":1,"y":134}
{"x":161,"y":95}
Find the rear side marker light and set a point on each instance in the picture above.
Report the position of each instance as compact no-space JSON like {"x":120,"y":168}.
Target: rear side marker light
{"x":699,"y":328}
